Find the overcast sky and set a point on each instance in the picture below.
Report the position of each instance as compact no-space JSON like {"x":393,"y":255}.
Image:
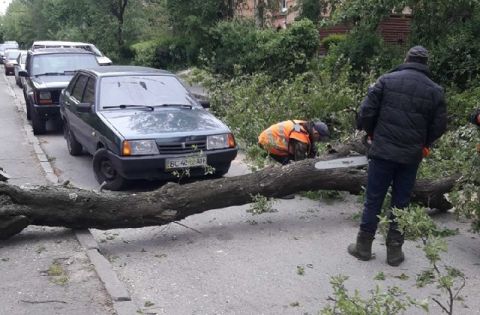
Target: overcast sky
{"x":4,"y":5}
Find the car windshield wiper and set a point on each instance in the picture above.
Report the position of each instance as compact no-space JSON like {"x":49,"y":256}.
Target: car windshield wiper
{"x":123,"y":106}
{"x":50,"y":73}
{"x":174,"y":105}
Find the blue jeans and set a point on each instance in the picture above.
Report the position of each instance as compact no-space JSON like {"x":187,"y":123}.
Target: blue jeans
{"x":382,"y":174}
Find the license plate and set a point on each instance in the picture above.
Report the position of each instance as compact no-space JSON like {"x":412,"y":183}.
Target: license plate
{"x":185,"y":162}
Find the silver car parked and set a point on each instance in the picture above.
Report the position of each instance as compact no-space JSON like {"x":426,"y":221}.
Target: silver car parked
{"x":21,"y":59}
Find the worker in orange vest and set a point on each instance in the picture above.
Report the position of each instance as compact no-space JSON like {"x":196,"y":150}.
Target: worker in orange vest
{"x":293,"y":139}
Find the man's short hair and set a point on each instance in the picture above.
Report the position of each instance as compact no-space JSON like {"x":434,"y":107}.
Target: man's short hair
{"x":417,"y":54}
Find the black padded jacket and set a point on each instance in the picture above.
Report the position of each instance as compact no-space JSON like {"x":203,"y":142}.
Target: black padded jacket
{"x":404,"y":111}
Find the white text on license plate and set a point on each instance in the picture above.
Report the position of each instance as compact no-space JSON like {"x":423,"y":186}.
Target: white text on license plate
{"x":186,"y":162}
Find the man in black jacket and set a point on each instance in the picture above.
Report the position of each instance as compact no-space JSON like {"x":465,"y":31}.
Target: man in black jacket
{"x":403,"y":114}
{"x":475,"y":117}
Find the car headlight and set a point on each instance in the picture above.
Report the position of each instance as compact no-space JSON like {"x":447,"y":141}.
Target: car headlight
{"x":220,"y":141}
{"x":44,"y":95}
{"x":139,"y":147}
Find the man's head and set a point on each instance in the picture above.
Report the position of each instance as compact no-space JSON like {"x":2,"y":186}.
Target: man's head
{"x":320,"y":130}
{"x":417,"y":54}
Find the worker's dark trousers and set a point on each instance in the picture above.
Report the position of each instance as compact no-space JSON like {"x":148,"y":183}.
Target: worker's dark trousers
{"x":382,"y":174}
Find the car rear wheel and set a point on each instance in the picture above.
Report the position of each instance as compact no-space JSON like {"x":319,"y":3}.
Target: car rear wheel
{"x":105,"y":172}
{"x":38,"y":124}
{"x":74,"y":147}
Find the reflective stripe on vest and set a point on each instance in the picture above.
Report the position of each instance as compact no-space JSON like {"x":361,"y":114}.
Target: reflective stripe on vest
{"x":275,"y":139}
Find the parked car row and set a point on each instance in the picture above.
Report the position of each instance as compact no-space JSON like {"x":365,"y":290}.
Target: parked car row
{"x":136,"y":122}
{"x":10,"y":60}
{"x":5,"y":47}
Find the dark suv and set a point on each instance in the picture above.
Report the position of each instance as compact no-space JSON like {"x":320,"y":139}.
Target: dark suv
{"x":47,"y":72}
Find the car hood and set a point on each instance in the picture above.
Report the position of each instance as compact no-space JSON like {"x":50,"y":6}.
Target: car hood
{"x":164,"y":123}
{"x":52,"y":82}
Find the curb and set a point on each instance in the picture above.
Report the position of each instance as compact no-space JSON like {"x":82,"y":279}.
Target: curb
{"x":121,"y":299}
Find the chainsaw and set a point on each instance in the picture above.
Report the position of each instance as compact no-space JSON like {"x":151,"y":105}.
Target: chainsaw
{"x":353,"y":161}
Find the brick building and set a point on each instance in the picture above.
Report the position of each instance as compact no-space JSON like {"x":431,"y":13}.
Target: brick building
{"x":395,"y":29}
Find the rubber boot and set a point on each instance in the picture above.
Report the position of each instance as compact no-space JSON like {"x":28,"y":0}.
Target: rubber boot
{"x":362,"y":249}
{"x":394,"y":243}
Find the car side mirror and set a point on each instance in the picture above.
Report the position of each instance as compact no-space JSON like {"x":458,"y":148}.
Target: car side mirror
{"x":84,"y":107}
{"x":23,"y":73}
{"x":205,"y":103}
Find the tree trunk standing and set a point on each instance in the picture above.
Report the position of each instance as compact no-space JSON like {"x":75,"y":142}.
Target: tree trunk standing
{"x":117,"y":8}
{"x":76,"y":208}
{"x":260,"y":13}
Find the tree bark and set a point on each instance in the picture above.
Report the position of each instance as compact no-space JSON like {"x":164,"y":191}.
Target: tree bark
{"x":77,"y":208}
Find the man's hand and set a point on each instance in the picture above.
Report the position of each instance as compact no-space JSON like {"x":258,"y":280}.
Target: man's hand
{"x":425,"y":152}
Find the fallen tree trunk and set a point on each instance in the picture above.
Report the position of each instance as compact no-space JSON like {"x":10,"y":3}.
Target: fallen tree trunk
{"x":77,"y":208}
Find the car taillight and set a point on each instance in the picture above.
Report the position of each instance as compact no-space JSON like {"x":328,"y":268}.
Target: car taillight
{"x":44,"y":98}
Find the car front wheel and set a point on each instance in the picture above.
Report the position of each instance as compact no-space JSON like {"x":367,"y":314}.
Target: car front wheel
{"x":74,"y":147}
{"x":29,"y":114}
{"x":221,"y":170}
{"x":38,"y":124}
{"x":105,"y":172}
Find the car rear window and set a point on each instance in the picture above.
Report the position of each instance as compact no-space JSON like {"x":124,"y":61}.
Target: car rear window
{"x":59,"y":63}
{"x":148,"y":90}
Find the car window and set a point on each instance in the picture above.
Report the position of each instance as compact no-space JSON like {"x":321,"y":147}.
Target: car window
{"x":89,"y":94}
{"x":71,"y":85}
{"x":79,"y":87}
{"x":12,"y":54}
{"x":142,"y":90}
{"x":59,"y":63}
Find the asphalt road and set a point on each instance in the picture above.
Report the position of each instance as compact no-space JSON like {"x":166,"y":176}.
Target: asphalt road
{"x":42,"y":270}
{"x":229,"y":261}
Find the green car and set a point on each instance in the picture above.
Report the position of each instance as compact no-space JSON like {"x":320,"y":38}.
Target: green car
{"x":142,"y":123}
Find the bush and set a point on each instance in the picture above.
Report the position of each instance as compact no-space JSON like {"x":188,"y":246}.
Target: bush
{"x":239,"y":47}
{"x":455,"y":60}
{"x":144,"y":53}
{"x":166,"y":53}
{"x":333,"y":39}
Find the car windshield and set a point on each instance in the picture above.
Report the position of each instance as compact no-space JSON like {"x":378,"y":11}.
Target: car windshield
{"x":148,"y":90}
{"x":61,"y":63}
{"x":12,"y":54}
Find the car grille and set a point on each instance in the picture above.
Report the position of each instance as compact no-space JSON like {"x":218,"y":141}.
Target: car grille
{"x":189,"y":146}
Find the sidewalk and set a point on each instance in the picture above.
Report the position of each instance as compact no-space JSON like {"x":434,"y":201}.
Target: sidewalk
{"x":42,"y":270}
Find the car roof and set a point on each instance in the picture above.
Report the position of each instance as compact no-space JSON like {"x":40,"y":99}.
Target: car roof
{"x":46,"y":51}
{"x":58,"y":42}
{"x":107,"y":71}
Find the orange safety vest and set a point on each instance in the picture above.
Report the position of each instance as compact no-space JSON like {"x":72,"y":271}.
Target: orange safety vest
{"x":275,"y":139}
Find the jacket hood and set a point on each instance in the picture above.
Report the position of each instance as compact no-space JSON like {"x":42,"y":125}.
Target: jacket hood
{"x":420,"y":67}
{"x":163,"y":122}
